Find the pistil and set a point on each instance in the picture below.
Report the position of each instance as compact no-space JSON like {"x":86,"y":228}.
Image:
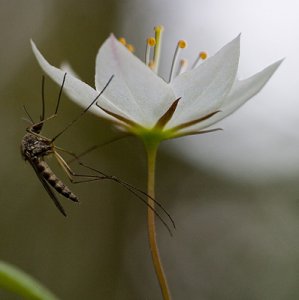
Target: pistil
{"x":157,"y":50}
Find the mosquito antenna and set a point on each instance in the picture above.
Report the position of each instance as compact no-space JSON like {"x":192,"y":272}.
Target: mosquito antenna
{"x":84,"y":111}
{"x":60,"y":93}
{"x":27,"y":113}
{"x":42,"y":117}
{"x":133,"y":190}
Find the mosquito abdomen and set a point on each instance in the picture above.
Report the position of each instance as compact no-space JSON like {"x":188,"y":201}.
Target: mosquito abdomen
{"x":54,"y":181}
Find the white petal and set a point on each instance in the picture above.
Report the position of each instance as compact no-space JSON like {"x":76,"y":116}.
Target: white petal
{"x":137,"y":90}
{"x":204,"y":89}
{"x":77,"y":90}
{"x":242,"y":91}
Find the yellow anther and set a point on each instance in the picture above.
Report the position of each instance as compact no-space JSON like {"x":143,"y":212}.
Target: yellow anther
{"x":182,"y":44}
{"x":151,"y":41}
{"x":203,"y":55}
{"x":122,"y":40}
{"x":130,"y":47}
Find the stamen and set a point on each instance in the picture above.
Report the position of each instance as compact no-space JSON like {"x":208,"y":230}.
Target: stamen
{"x":123,"y":41}
{"x":158,"y":36}
{"x":182,"y":67}
{"x":150,"y":42}
{"x":180,"y":45}
{"x":130,"y":47}
{"x":202,"y":56}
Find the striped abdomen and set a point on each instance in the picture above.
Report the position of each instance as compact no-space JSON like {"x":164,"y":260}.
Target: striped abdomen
{"x":53,"y":180}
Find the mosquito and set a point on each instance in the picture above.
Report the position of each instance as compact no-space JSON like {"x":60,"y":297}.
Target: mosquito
{"x":35,"y":148}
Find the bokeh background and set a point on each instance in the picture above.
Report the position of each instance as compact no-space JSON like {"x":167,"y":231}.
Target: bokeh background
{"x":233,"y":194}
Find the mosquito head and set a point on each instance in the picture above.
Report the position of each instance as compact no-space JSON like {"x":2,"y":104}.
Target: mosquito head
{"x":36,"y":128}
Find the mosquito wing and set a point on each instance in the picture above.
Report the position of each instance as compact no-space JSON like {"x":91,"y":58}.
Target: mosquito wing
{"x":48,"y":189}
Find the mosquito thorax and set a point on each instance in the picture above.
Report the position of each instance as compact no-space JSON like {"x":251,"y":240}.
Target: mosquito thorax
{"x":34,"y":147}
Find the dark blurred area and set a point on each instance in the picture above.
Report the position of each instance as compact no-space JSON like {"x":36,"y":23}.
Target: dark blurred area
{"x":234,"y":240}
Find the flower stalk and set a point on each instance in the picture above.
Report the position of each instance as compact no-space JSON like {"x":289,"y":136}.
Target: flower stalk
{"x":151,"y":224}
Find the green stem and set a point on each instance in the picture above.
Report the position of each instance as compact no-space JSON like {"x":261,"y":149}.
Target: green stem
{"x":151,"y":155}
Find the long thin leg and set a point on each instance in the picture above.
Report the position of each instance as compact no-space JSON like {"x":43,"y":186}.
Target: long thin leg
{"x":70,"y":173}
{"x":94,"y":147}
{"x":134,"y":191}
{"x":103,"y":176}
{"x":60,"y":93}
{"x":37,"y":127}
{"x":42,"y":117}
{"x":83,"y":112}
{"x":129,"y":187}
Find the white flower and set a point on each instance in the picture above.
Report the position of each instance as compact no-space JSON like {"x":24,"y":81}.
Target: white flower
{"x":141,"y":102}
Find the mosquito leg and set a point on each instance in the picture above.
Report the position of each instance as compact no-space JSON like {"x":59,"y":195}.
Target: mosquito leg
{"x":38,"y":125}
{"x":42,"y":117}
{"x":83,"y":112}
{"x":67,"y":168}
{"x":90,"y":178}
{"x":105,"y":176}
{"x":60,"y":93}
{"x":113,"y":178}
{"x":71,"y":174}
{"x":131,"y":188}
{"x":94,"y":147}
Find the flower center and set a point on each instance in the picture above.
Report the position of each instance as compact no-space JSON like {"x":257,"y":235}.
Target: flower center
{"x":153,"y":54}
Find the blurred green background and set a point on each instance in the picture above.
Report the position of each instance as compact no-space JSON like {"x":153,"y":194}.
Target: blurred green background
{"x":235,"y":239}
